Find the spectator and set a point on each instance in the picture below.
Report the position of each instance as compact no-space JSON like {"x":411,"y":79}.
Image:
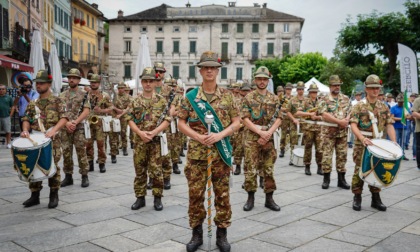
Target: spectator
{"x":410,"y":128}
{"x":397,"y":112}
{"x":24,"y":95}
{"x":6,"y":104}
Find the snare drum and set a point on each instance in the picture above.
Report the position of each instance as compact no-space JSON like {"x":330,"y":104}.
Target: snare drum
{"x":33,"y":162}
{"x":297,"y":157}
{"x":381,"y":163}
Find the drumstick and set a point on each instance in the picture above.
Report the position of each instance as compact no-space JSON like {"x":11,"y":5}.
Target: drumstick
{"x":32,"y":141}
{"x":393,"y":154}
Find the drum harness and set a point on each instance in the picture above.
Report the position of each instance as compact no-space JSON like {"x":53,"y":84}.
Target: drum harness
{"x":374,"y":121}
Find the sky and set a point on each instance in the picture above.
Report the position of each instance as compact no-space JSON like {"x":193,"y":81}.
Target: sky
{"x":323,"y":18}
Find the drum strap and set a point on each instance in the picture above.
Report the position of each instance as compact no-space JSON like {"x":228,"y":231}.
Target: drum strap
{"x":38,"y":116}
{"x":376,"y":133}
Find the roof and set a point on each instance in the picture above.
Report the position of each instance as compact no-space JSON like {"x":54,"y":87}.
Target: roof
{"x":156,"y":13}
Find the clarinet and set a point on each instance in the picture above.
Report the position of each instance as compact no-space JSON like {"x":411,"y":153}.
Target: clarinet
{"x":165,"y":111}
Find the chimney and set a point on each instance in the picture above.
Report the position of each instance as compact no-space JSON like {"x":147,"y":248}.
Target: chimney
{"x":94,"y":5}
{"x":232,"y":4}
{"x":120,"y":14}
{"x":188,"y":5}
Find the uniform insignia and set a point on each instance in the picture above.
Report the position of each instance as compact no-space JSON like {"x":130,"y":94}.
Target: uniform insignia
{"x":201,"y":106}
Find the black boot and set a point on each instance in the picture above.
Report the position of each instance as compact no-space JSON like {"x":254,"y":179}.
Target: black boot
{"x":167,"y":184}
{"x":125,"y":153}
{"x":91,"y":165}
{"x":357,"y":202}
{"x":326,"y":182}
{"x":150,"y":184}
{"x":68,"y":180}
{"x":181,"y":153}
{"x":102,"y":168}
{"x":269,"y":202}
{"x":221,"y":240}
{"x":113,"y":159}
{"x":53,"y":198}
{"x":33,"y":200}
{"x":319,"y":171}
{"x":261,"y":182}
{"x":175,"y":168}
{"x":185,"y":146}
{"x":85,"y":181}
{"x":196,"y":239}
{"x":308,"y":169}
{"x":180,"y":161}
{"x":157,"y":203}
{"x":281,"y":153}
{"x":237,"y":170}
{"x":342,"y":181}
{"x":250,"y":202}
{"x":377,"y":202}
{"x":132,"y":145}
{"x":140,"y":202}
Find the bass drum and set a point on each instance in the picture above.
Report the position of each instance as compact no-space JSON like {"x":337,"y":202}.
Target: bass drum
{"x":297,"y":157}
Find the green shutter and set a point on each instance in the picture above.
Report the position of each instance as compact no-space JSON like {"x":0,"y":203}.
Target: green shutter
{"x":239,"y":73}
{"x":176,"y":46}
{"x":270,"y":28}
{"x":224,"y":73}
{"x":255,"y":28}
{"x":193,"y":46}
{"x":270,"y":49}
{"x":175,"y":72}
{"x":239,"y":48}
{"x":191,"y":72}
{"x":239,"y":28}
{"x":127,"y":71}
{"x":286,"y":49}
{"x":159,"y":46}
{"x":224,"y":50}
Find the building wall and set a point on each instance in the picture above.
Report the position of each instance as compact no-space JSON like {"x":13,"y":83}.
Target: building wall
{"x":18,"y":12}
{"x":48,"y":27}
{"x":62,"y":28}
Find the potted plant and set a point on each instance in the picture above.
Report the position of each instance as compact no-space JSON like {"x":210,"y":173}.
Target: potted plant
{"x":76,"y":20}
{"x":82,"y":23}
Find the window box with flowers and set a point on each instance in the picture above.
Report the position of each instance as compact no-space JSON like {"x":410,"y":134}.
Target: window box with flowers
{"x":76,"y":20}
{"x":83,"y":22}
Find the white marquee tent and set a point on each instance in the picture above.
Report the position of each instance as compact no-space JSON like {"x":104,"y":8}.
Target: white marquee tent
{"x":323,"y":89}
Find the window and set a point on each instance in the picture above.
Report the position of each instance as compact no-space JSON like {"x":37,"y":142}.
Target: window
{"x":175,"y":72}
{"x":224,"y":50}
{"x":159,"y":29}
{"x":255,"y":28}
{"x":176,"y":29}
{"x":127,"y":29}
{"x":93,"y":23}
{"x":286,"y":48}
{"x":224,"y":73}
{"x":270,"y":48}
{"x":66,"y":21}
{"x":270,"y":28}
{"x":239,"y":48}
{"x":127,"y":71}
{"x":176,"y":47}
{"x":254,"y":50}
{"x":239,"y":73}
{"x":193,"y":46}
{"x":286,"y":27}
{"x":193,"y":28}
{"x":88,"y":20}
{"x":143,"y":29}
{"x":55,"y":14}
{"x":127,"y":47}
{"x":159,"y":46}
{"x":61,"y":18}
{"x":225,"y":28}
{"x":191,"y":72}
{"x":93,"y":50}
{"x":239,"y":28}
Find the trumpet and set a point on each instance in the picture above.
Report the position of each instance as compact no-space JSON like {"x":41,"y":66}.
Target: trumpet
{"x":94,"y":119}
{"x":314,"y":109}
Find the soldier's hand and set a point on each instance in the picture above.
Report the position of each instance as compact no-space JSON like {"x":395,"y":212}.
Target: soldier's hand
{"x":262,"y":141}
{"x":24,"y":134}
{"x":212,"y":138}
{"x":50,"y":134}
{"x":343,"y":123}
{"x":97,"y":109}
{"x":71,"y":127}
{"x":201,"y":138}
{"x":296,"y":121}
{"x":366,"y":141}
{"x":265,"y":135}
{"x":144,"y":137}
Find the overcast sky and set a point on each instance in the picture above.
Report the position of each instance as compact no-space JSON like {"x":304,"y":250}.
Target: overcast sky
{"x":323,"y":18}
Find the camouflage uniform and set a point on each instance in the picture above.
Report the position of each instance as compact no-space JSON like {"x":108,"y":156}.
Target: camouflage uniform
{"x":287,"y":128}
{"x":122,"y":103}
{"x":294,"y":105}
{"x":311,"y":134}
{"x":238,"y":138}
{"x":175,"y":139}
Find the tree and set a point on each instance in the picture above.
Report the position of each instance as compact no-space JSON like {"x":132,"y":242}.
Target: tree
{"x":273,"y":66}
{"x":413,"y":14}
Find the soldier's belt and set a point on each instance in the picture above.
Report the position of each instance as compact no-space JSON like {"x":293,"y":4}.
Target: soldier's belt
{"x":366,"y":133}
{"x":260,"y":127}
{"x":327,"y":124}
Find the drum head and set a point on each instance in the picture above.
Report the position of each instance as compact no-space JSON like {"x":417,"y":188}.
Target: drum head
{"x":299,"y":152}
{"x":385,"y":149}
{"x":26,"y":143}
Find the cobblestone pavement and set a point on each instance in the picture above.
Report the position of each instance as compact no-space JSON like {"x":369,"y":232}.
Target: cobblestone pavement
{"x":99,"y":218}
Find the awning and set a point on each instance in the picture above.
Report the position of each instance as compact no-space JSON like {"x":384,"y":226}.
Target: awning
{"x":15,"y":64}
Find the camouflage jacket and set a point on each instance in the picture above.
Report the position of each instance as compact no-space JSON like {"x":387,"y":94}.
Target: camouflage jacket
{"x":360,"y":116}
{"x":102,"y":100}
{"x":339,"y":108}
{"x":284,"y":105}
{"x":309,"y":105}
{"x":122,"y":101}
{"x":222,"y":103}
{"x":52,"y":110}
{"x":294,"y":105}
{"x":74,"y":102}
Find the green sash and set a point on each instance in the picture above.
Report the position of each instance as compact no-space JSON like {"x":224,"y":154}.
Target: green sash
{"x":201,"y":107}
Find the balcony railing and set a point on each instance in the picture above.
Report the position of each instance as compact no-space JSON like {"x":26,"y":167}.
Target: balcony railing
{"x":88,"y":59}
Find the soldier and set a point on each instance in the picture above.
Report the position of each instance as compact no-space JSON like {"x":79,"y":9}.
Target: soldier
{"x":208,"y":97}
{"x":101,"y":105}
{"x":335,"y":111}
{"x":261,"y":117}
{"x":131,"y":135}
{"x":78,"y":108}
{"x":143,"y":118}
{"x":182,"y":137}
{"x":280,"y":91}
{"x":121,"y":108}
{"x":362,"y":127}
{"x":35,"y":118}
{"x":287,"y":126}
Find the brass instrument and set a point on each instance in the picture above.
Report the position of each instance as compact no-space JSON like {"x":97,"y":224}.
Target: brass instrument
{"x":314,"y":109}
{"x":94,"y":119}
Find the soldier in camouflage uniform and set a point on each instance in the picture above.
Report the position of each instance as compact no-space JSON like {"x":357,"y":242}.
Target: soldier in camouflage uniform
{"x":78,"y":108}
{"x":131,"y":135}
{"x":182,"y":138}
{"x":222,"y":101}
{"x":53,"y":116}
{"x":287,"y":126}
{"x":145,"y":112}
{"x":261,"y":117}
{"x":335,"y":111}
{"x":121,"y":108}
{"x":101,"y":105}
{"x":362,"y":128}
{"x":237,"y":138}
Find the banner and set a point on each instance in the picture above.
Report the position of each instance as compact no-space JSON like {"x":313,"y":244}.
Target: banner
{"x":408,"y":69}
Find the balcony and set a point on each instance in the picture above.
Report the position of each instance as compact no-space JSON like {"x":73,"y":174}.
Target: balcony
{"x":88,"y":59}
{"x":17,"y":43}
{"x":101,"y":31}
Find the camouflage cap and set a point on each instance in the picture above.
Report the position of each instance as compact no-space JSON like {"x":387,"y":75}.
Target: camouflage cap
{"x":300,"y":85}
{"x":400,"y":97}
{"x":246,"y":87}
{"x":288,"y":86}
{"x":253,"y":86}
{"x":262,"y":72}
{"x":149,"y":73}
{"x":43,"y":76}
{"x":121,"y":85}
{"x":160,"y":66}
{"x":209,"y":59}
{"x":229,"y":86}
{"x":237,"y":85}
{"x":373,"y":81}
{"x":74,"y":72}
{"x":381,"y":91}
{"x":95,"y":78}
{"x":313,"y":88}
{"x":280,"y":88}
{"x":127,"y":87}
{"x":358,"y":93}
{"x":170,"y":81}
{"x":389,"y":95}
{"x":414,"y":95}
{"x":335,"y":80}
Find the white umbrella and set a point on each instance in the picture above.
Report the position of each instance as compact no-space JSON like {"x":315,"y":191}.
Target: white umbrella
{"x":143,"y":59}
{"x":36,"y":58}
{"x":55,"y":70}
{"x":83,"y":81}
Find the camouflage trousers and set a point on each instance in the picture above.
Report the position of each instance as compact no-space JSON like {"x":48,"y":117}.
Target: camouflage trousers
{"x":97,"y":134}
{"x":77,"y":138}
{"x":147,"y":160}
{"x":288,"y":128}
{"x":123,"y":133}
{"x":334,"y":138}
{"x":238,"y":150}
{"x":356,"y":182}
{"x":55,"y":181}
{"x":196,"y":173}
{"x":175,"y":145}
{"x":312,"y":138}
{"x":259,"y":159}
{"x":166,"y":166}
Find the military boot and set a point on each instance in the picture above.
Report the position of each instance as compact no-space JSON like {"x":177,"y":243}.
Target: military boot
{"x":326,"y":182}
{"x":221,"y":240}
{"x":91,"y":165}
{"x":33,"y":200}
{"x":237,"y":170}
{"x":342,"y":181}
{"x":185,"y":146}
{"x":319,"y":171}
{"x":102,"y":168}
{"x":150,"y":184}
{"x":179,"y":161}
{"x":125,"y":153}
{"x":269,"y":202}
{"x":377,"y":202}
{"x":250,"y":202}
{"x":308,"y":170}
{"x":113,"y":159}
{"x":157,"y":203}
{"x":53,"y":198}
{"x":85,"y":181}
{"x":261,"y":182}
{"x":175,"y":168}
{"x":181,"y":153}
{"x":196,"y":239}
{"x":132,"y":145}
{"x":281,"y":153}
{"x":167,"y":183}
{"x":140,"y":202}
{"x":357,"y":202}
{"x":68,"y":180}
